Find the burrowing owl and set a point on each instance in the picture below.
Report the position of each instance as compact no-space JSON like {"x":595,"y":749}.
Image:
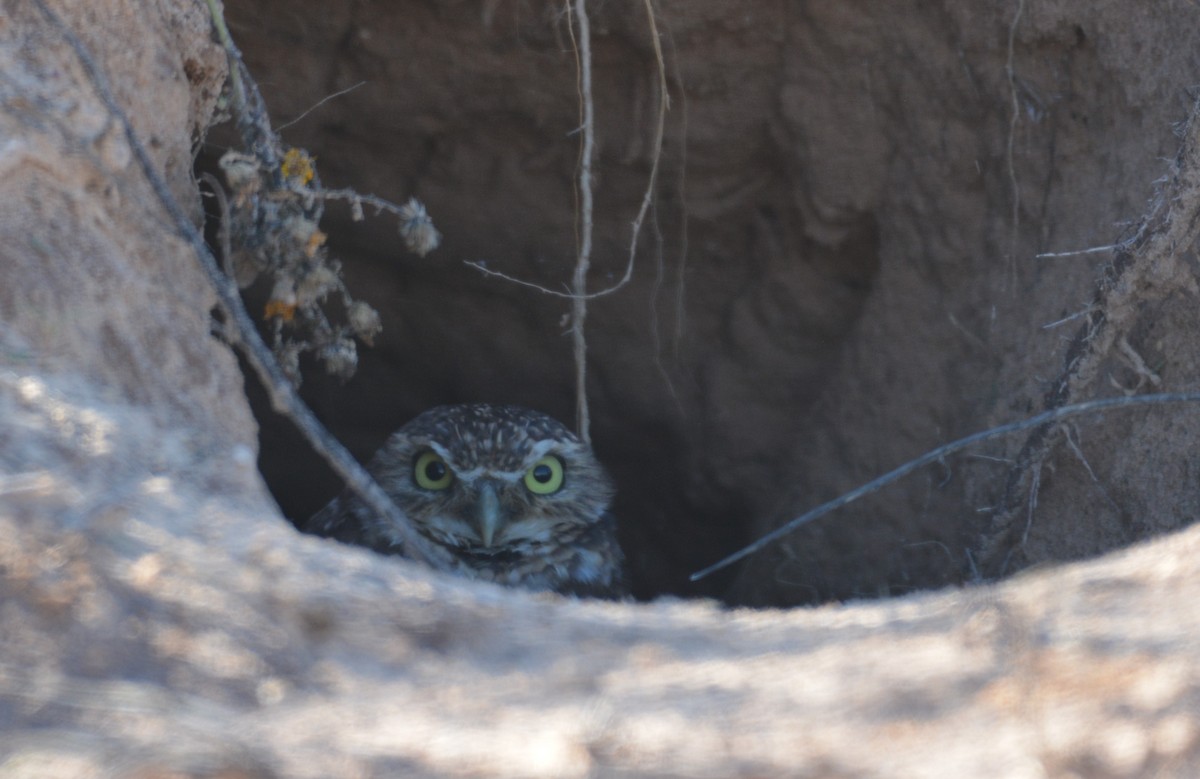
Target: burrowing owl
{"x":513,"y":495}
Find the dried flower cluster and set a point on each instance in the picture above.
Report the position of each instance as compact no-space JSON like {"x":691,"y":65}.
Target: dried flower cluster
{"x":273,"y":235}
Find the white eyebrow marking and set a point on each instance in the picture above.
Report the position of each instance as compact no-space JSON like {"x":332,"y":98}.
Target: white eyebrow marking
{"x":539,"y":450}
{"x":536,"y":452}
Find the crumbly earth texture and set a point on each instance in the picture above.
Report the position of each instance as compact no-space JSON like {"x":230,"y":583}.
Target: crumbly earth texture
{"x":841,"y":271}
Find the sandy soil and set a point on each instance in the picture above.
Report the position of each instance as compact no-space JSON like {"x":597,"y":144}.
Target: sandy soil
{"x":842,"y":271}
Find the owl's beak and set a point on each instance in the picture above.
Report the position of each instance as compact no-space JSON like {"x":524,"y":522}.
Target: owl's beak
{"x":488,"y":512}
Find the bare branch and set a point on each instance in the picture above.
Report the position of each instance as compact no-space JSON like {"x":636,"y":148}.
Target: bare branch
{"x":318,"y":104}
{"x":647,"y":195}
{"x":283,"y":396}
{"x":1053,"y":415}
{"x":1077,"y":252}
{"x":584,"y":258}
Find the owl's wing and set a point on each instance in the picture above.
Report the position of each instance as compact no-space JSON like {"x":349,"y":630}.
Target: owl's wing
{"x":349,"y":520}
{"x":616,"y":590}
{"x":597,"y":569}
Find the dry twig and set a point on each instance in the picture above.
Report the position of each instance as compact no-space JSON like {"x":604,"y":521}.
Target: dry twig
{"x":1011,"y":73}
{"x":282,"y":394}
{"x":1045,"y":419}
{"x":584,"y":259}
{"x":1146,"y":265}
{"x":578,"y":295}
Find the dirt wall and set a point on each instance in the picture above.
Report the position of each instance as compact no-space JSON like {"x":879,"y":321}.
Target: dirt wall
{"x":841,"y":271}
{"x":865,"y":192}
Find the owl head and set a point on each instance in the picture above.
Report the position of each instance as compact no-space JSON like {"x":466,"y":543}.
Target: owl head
{"x":493,"y":480}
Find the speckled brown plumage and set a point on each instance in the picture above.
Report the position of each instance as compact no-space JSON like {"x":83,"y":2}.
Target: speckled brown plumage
{"x":482,"y":506}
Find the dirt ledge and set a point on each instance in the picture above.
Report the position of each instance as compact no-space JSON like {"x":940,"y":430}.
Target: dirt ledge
{"x":160,"y":618}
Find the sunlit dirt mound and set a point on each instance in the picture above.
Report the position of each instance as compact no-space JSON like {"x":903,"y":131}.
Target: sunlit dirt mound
{"x":864,"y":243}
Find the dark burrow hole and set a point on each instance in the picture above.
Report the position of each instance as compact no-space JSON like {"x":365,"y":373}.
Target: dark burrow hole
{"x":451,"y":336}
{"x":705,"y":371}
{"x":838,"y":273}
{"x":669,"y":527}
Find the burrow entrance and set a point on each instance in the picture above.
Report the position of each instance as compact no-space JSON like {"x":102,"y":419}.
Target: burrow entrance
{"x":840,"y":271}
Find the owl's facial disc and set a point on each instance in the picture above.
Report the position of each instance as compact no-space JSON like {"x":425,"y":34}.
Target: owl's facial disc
{"x":489,"y":501}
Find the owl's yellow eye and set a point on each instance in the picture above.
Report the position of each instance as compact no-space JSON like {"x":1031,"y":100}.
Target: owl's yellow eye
{"x":431,"y":472}
{"x":546,"y":476}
